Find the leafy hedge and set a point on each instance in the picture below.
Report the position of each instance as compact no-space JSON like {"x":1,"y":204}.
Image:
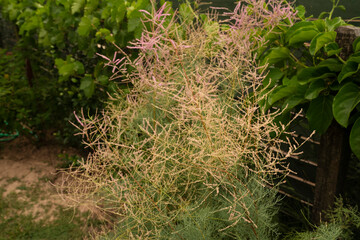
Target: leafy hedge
{"x":59,"y":39}
{"x":305,"y":69}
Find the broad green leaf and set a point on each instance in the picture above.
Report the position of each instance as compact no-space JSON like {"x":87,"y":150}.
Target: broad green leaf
{"x":355,"y":138}
{"x":87,"y":85}
{"x":356,"y":45}
{"x":79,"y":67}
{"x":103,"y":80}
{"x":282,"y":92}
{"x":292,"y":102}
{"x":121,"y":12}
{"x":310,"y":74}
{"x":67,"y":69}
{"x":320,"y":25}
{"x":319,"y":113}
{"x":44,"y":38}
{"x":84,"y":26}
{"x":95,"y":22}
{"x":333,"y":24}
{"x":272,"y":77}
{"x":300,"y":11}
{"x":303,"y":35}
{"x":133,"y":23}
{"x":297,"y":27}
{"x":77,"y":5}
{"x":103,"y":32}
{"x":332,"y":49}
{"x":292,"y":88}
{"x":315,"y":88}
{"x":92,"y":6}
{"x":276,"y":55}
{"x":341,"y":7}
{"x":321,"y":40}
{"x":344,"y":103}
{"x":349,"y":69}
{"x":333,"y":64}
{"x":59,"y":62}
{"x":322,"y":15}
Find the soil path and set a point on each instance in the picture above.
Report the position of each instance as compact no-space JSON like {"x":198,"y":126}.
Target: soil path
{"x":29,"y":171}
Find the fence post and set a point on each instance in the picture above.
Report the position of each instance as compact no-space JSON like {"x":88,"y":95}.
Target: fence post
{"x":334,"y":152}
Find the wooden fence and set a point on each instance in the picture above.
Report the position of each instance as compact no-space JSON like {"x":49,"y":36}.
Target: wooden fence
{"x":321,"y":169}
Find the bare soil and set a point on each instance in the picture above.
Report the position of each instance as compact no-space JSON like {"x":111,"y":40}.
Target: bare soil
{"x":31,"y":172}
{"x":25,"y":166}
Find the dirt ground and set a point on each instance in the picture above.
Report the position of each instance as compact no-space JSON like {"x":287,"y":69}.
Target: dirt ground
{"x":29,"y":172}
{"x":23,"y":165}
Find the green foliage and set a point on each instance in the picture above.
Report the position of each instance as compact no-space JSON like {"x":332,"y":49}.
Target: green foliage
{"x":22,"y":105}
{"x":60,"y":40}
{"x":342,"y":222}
{"x":16,"y":224}
{"x":314,"y":76}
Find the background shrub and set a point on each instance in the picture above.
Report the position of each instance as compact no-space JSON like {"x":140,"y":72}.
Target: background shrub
{"x":57,"y":41}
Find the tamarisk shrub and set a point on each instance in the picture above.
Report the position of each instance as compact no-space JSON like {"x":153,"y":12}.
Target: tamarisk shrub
{"x":188,"y":153}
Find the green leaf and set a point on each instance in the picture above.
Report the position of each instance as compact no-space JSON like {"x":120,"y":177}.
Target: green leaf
{"x":315,"y":88}
{"x":292,"y":102}
{"x":121,"y":12}
{"x":300,"y":11}
{"x":78,"y":67}
{"x":356,"y":45}
{"x":103,"y":80}
{"x":355,"y":138}
{"x":133,"y":23}
{"x":59,"y":62}
{"x":276,"y":55}
{"x":292,"y":88}
{"x":67,"y":69}
{"x":281,"y":92}
{"x":310,"y":74}
{"x":297,"y":28}
{"x":333,"y":24}
{"x":272,"y":77}
{"x":332,"y":49}
{"x":322,"y":15}
{"x":319,"y":113}
{"x":84,"y":26}
{"x":320,"y":25}
{"x":345,"y":101}
{"x":87,"y":85}
{"x":320,"y":40}
{"x":349,"y":69}
{"x":77,"y":5}
{"x":303,"y":35}
{"x":333,"y":64}
{"x":341,"y":7}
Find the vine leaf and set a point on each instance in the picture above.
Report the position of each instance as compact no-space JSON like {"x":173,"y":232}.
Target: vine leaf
{"x":356,"y":45}
{"x":314,"y":89}
{"x":87,"y":85}
{"x":355,"y":138}
{"x":350,"y":68}
{"x":77,"y":5}
{"x":310,"y":74}
{"x":320,"y":113}
{"x":276,"y":55}
{"x":320,"y":40}
{"x":344,"y":103}
{"x":84,"y":26}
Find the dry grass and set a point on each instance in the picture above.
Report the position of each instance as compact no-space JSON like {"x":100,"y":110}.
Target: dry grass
{"x":189,"y":141}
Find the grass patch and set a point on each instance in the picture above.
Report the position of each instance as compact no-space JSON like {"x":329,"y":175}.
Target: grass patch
{"x":17,"y":223}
